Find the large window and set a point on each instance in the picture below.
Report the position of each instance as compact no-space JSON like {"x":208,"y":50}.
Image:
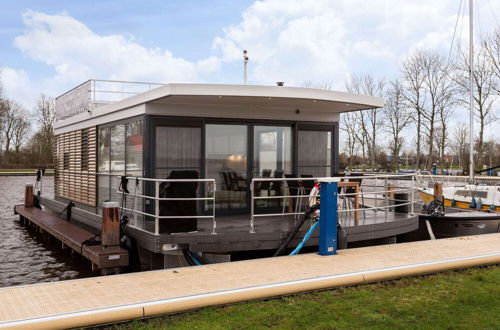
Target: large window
{"x":177,"y":149}
{"x":119,"y":153}
{"x":314,"y":153}
{"x":226,"y":161}
{"x":272,"y":151}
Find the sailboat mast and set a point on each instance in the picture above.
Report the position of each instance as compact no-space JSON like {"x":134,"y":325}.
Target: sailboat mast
{"x":471,"y":89}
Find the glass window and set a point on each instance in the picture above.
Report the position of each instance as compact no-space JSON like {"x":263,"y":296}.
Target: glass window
{"x":103,"y":150}
{"x":119,"y":150}
{"x":272,"y":151}
{"x":226,"y":162}
{"x":117,"y":158}
{"x":103,"y":165}
{"x":178,"y":156}
{"x":314,"y":153}
{"x":177,"y":149}
{"x":133,"y":149}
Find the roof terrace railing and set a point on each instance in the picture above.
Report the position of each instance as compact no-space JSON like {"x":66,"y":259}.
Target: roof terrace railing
{"x":95,"y":93}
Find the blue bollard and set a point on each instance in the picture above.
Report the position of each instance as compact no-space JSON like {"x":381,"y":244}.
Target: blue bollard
{"x":328,"y":216}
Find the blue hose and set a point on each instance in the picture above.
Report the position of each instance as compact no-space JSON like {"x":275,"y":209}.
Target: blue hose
{"x":194,"y":259}
{"x":305,"y":239}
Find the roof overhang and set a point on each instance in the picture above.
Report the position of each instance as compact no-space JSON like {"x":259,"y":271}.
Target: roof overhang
{"x":250,"y":96}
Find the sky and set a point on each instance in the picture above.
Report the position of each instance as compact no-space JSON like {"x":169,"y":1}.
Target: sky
{"x":51,"y":46}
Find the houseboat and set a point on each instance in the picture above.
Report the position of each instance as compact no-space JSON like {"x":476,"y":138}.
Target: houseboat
{"x":221,"y":171}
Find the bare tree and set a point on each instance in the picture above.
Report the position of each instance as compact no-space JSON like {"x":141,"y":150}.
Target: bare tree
{"x":397,"y":118}
{"x":484,"y":86}
{"x":412,"y":70}
{"x":45,"y":107}
{"x":369,"y":120}
{"x":45,"y":110}
{"x":350,"y":128}
{"x":21,"y":129}
{"x":10,"y":110}
{"x":491,"y":47}
{"x":439,"y":89}
{"x":461,"y":138}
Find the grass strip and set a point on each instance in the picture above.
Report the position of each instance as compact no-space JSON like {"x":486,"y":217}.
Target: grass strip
{"x":456,"y":299}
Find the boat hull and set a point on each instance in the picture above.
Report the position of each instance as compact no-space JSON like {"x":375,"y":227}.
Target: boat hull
{"x":454,"y":226}
{"x":428,"y":197}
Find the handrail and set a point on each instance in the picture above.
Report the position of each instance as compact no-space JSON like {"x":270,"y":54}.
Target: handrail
{"x":156,"y":215}
{"x":369,"y":195}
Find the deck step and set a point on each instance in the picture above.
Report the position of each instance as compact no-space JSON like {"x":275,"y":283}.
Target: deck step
{"x":74,"y":237}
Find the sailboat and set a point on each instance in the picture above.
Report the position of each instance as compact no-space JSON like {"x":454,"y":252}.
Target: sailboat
{"x":473,"y":197}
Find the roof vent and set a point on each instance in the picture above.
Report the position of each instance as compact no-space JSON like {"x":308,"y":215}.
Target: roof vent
{"x":280,"y":83}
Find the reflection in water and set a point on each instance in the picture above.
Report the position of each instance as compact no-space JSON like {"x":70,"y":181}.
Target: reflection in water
{"x":27,"y":257}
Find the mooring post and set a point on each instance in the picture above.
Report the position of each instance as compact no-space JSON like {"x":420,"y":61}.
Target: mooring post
{"x":438,"y":191}
{"x":28,"y":195}
{"x":110,"y":228}
{"x":328,"y":217}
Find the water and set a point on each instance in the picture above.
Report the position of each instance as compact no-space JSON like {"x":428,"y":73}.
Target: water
{"x":27,"y":257}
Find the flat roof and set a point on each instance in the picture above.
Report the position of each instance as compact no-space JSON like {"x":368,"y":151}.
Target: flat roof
{"x":251,"y":96}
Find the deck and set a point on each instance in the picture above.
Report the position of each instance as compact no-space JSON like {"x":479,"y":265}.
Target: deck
{"x":233,"y":231}
{"x":73,"y":236}
{"x":137,"y":295}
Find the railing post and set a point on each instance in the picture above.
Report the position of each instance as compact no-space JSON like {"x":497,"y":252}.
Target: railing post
{"x":157,"y":207}
{"x":214,"y":223}
{"x":412,"y":194}
{"x":110,"y":227}
{"x":386,"y":188}
{"x":252,"y":231}
{"x":328,"y":218}
{"x":28,"y":195}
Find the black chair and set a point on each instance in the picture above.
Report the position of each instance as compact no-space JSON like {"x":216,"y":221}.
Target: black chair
{"x":307,"y":184}
{"x":264,"y":185}
{"x":277,"y":185}
{"x":179,"y":208}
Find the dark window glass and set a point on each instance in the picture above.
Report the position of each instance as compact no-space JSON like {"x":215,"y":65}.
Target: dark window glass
{"x":315,"y":153}
{"x":177,"y":149}
{"x":134,"y":143}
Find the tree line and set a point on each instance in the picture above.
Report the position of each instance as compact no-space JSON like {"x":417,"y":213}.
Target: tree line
{"x":26,"y":137}
{"x":412,"y":128}
{"x":429,"y":91}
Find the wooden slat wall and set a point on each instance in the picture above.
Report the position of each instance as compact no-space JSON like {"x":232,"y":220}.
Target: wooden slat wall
{"x":76,"y":179}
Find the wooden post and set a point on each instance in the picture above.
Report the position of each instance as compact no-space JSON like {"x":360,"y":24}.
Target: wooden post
{"x":438,"y":191}
{"x":28,"y":195}
{"x":110,"y":229}
{"x":390,"y":191}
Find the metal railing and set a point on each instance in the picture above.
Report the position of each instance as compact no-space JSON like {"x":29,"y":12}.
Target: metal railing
{"x":375,"y":192}
{"x":210,"y":189}
{"x":157,"y":199}
{"x":94,"y":93}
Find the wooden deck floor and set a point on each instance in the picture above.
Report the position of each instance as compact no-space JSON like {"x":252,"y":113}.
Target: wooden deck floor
{"x":113,"y":298}
{"x":74,"y":237}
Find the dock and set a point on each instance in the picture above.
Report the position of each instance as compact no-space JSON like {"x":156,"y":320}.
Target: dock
{"x":107,"y":259}
{"x":101,"y":300}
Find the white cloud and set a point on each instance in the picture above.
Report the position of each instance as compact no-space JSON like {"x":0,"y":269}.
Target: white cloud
{"x":321,"y":40}
{"x":292,"y":41}
{"x":77,"y":53}
{"x":17,"y":85}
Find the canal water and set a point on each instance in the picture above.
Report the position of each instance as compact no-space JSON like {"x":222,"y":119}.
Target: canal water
{"x":27,"y":257}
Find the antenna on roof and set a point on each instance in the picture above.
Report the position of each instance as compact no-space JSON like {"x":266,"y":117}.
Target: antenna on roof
{"x":245,"y":62}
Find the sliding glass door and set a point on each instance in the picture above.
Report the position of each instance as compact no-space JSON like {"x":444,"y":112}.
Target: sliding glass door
{"x":272,"y":158}
{"x":226,"y":160}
